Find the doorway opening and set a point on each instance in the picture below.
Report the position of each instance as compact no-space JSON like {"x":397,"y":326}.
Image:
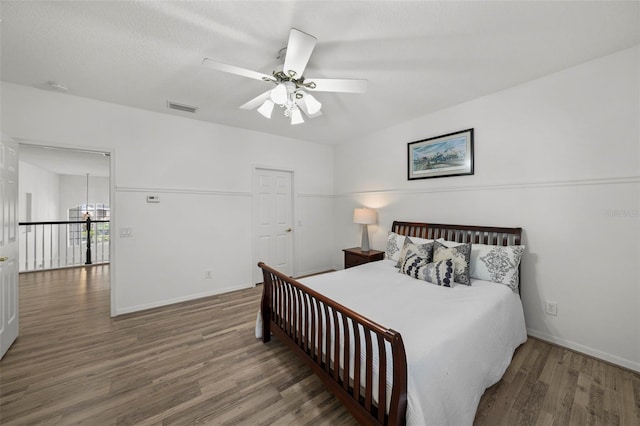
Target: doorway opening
{"x":65,"y":206}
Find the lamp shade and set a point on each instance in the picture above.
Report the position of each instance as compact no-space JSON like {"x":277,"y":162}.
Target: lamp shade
{"x":296,"y":117}
{"x":313,"y":106}
{"x":279,"y":94}
{"x":365,"y":216}
{"x":266,"y":109}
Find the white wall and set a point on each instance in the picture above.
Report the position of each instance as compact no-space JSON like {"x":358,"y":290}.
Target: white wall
{"x":73,"y":192}
{"x":44,"y":188}
{"x":559,"y":157}
{"x":202,"y":173}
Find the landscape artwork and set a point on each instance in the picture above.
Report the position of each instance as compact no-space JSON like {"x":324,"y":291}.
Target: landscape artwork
{"x":446,"y":155}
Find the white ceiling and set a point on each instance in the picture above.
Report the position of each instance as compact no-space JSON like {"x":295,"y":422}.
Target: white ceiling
{"x":419,"y":57}
{"x":66,"y":161}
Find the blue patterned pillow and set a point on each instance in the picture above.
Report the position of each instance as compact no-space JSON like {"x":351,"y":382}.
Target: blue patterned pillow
{"x":439,"y":273}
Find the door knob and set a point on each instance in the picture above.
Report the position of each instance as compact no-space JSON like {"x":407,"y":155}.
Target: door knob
{"x":2,"y":259}
{"x":287,"y":230}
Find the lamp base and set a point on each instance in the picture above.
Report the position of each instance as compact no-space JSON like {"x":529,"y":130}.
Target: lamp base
{"x":364,"y":246}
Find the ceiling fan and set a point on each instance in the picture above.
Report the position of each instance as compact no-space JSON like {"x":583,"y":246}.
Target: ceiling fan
{"x":292,"y":88}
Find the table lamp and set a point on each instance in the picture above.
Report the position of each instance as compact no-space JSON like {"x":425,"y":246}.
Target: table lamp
{"x":364,"y":217}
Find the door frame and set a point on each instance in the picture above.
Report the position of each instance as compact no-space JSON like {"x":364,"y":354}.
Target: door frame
{"x":256,"y":276}
{"x":112,"y":204}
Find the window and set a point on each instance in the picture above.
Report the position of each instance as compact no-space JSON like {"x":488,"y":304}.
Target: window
{"x":78,"y":231}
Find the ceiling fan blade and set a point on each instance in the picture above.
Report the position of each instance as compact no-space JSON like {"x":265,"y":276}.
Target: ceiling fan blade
{"x":299,"y":51}
{"x":343,"y":85}
{"x":257,"y":101}
{"x":232,"y":69}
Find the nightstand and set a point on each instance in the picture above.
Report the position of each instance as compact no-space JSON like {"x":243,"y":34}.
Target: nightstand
{"x":354,"y":256}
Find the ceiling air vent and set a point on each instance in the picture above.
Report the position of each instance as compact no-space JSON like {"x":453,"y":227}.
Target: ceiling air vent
{"x":181,"y":107}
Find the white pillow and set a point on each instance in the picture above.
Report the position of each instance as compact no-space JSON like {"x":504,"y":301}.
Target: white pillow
{"x":449,"y":243}
{"x":395,"y":242}
{"x":496,"y":263}
{"x":418,"y":240}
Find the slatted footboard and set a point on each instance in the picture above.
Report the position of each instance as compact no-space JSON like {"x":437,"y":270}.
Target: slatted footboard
{"x":361,"y":362}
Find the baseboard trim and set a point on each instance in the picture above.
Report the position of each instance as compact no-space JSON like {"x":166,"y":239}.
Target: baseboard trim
{"x":167,"y":302}
{"x":585,"y":350}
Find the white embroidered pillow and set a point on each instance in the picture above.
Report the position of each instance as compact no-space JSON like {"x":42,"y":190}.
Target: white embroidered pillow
{"x":395,"y":242}
{"x":499,"y":264}
{"x":418,"y":240}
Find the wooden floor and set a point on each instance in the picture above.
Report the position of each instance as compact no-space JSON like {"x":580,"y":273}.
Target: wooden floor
{"x":199,"y":363}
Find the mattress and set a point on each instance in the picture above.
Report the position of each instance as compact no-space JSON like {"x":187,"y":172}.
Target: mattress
{"x":458,"y":341}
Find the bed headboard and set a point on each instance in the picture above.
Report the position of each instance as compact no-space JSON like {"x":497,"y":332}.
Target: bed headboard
{"x":460,"y":233}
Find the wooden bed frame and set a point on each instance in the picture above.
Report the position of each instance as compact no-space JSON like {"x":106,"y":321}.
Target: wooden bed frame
{"x":287,"y":304}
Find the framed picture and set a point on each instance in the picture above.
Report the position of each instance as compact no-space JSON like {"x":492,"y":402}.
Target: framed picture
{"x":446,"y":155}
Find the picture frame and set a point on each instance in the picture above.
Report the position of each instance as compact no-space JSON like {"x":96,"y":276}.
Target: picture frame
{"x":441,"y":156}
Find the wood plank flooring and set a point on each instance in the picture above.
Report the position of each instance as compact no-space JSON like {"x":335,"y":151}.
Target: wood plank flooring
{"x":199,"y":363}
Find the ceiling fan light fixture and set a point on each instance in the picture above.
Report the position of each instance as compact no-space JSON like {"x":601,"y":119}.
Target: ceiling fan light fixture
{"x":279,"y":94}
{"x":290,"y":83}
{"x":296,"y":117}
{"x":266,"y":108}
{"x":313,"y":105}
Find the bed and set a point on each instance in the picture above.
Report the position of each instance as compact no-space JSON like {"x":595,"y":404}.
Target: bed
{"x":439,"y":348}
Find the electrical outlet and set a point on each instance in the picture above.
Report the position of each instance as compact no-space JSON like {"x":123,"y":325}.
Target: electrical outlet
{"x":551,"y":308}
{"x":208,"y":274}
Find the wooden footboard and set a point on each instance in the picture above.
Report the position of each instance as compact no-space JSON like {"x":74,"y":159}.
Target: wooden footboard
{"x":346,"y":350}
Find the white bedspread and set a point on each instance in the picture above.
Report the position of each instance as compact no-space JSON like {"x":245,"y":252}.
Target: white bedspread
{"x":458,"y":341}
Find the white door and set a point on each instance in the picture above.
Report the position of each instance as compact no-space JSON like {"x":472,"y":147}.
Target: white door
{"x":273,"y":218}
{"x":8,"y":243}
